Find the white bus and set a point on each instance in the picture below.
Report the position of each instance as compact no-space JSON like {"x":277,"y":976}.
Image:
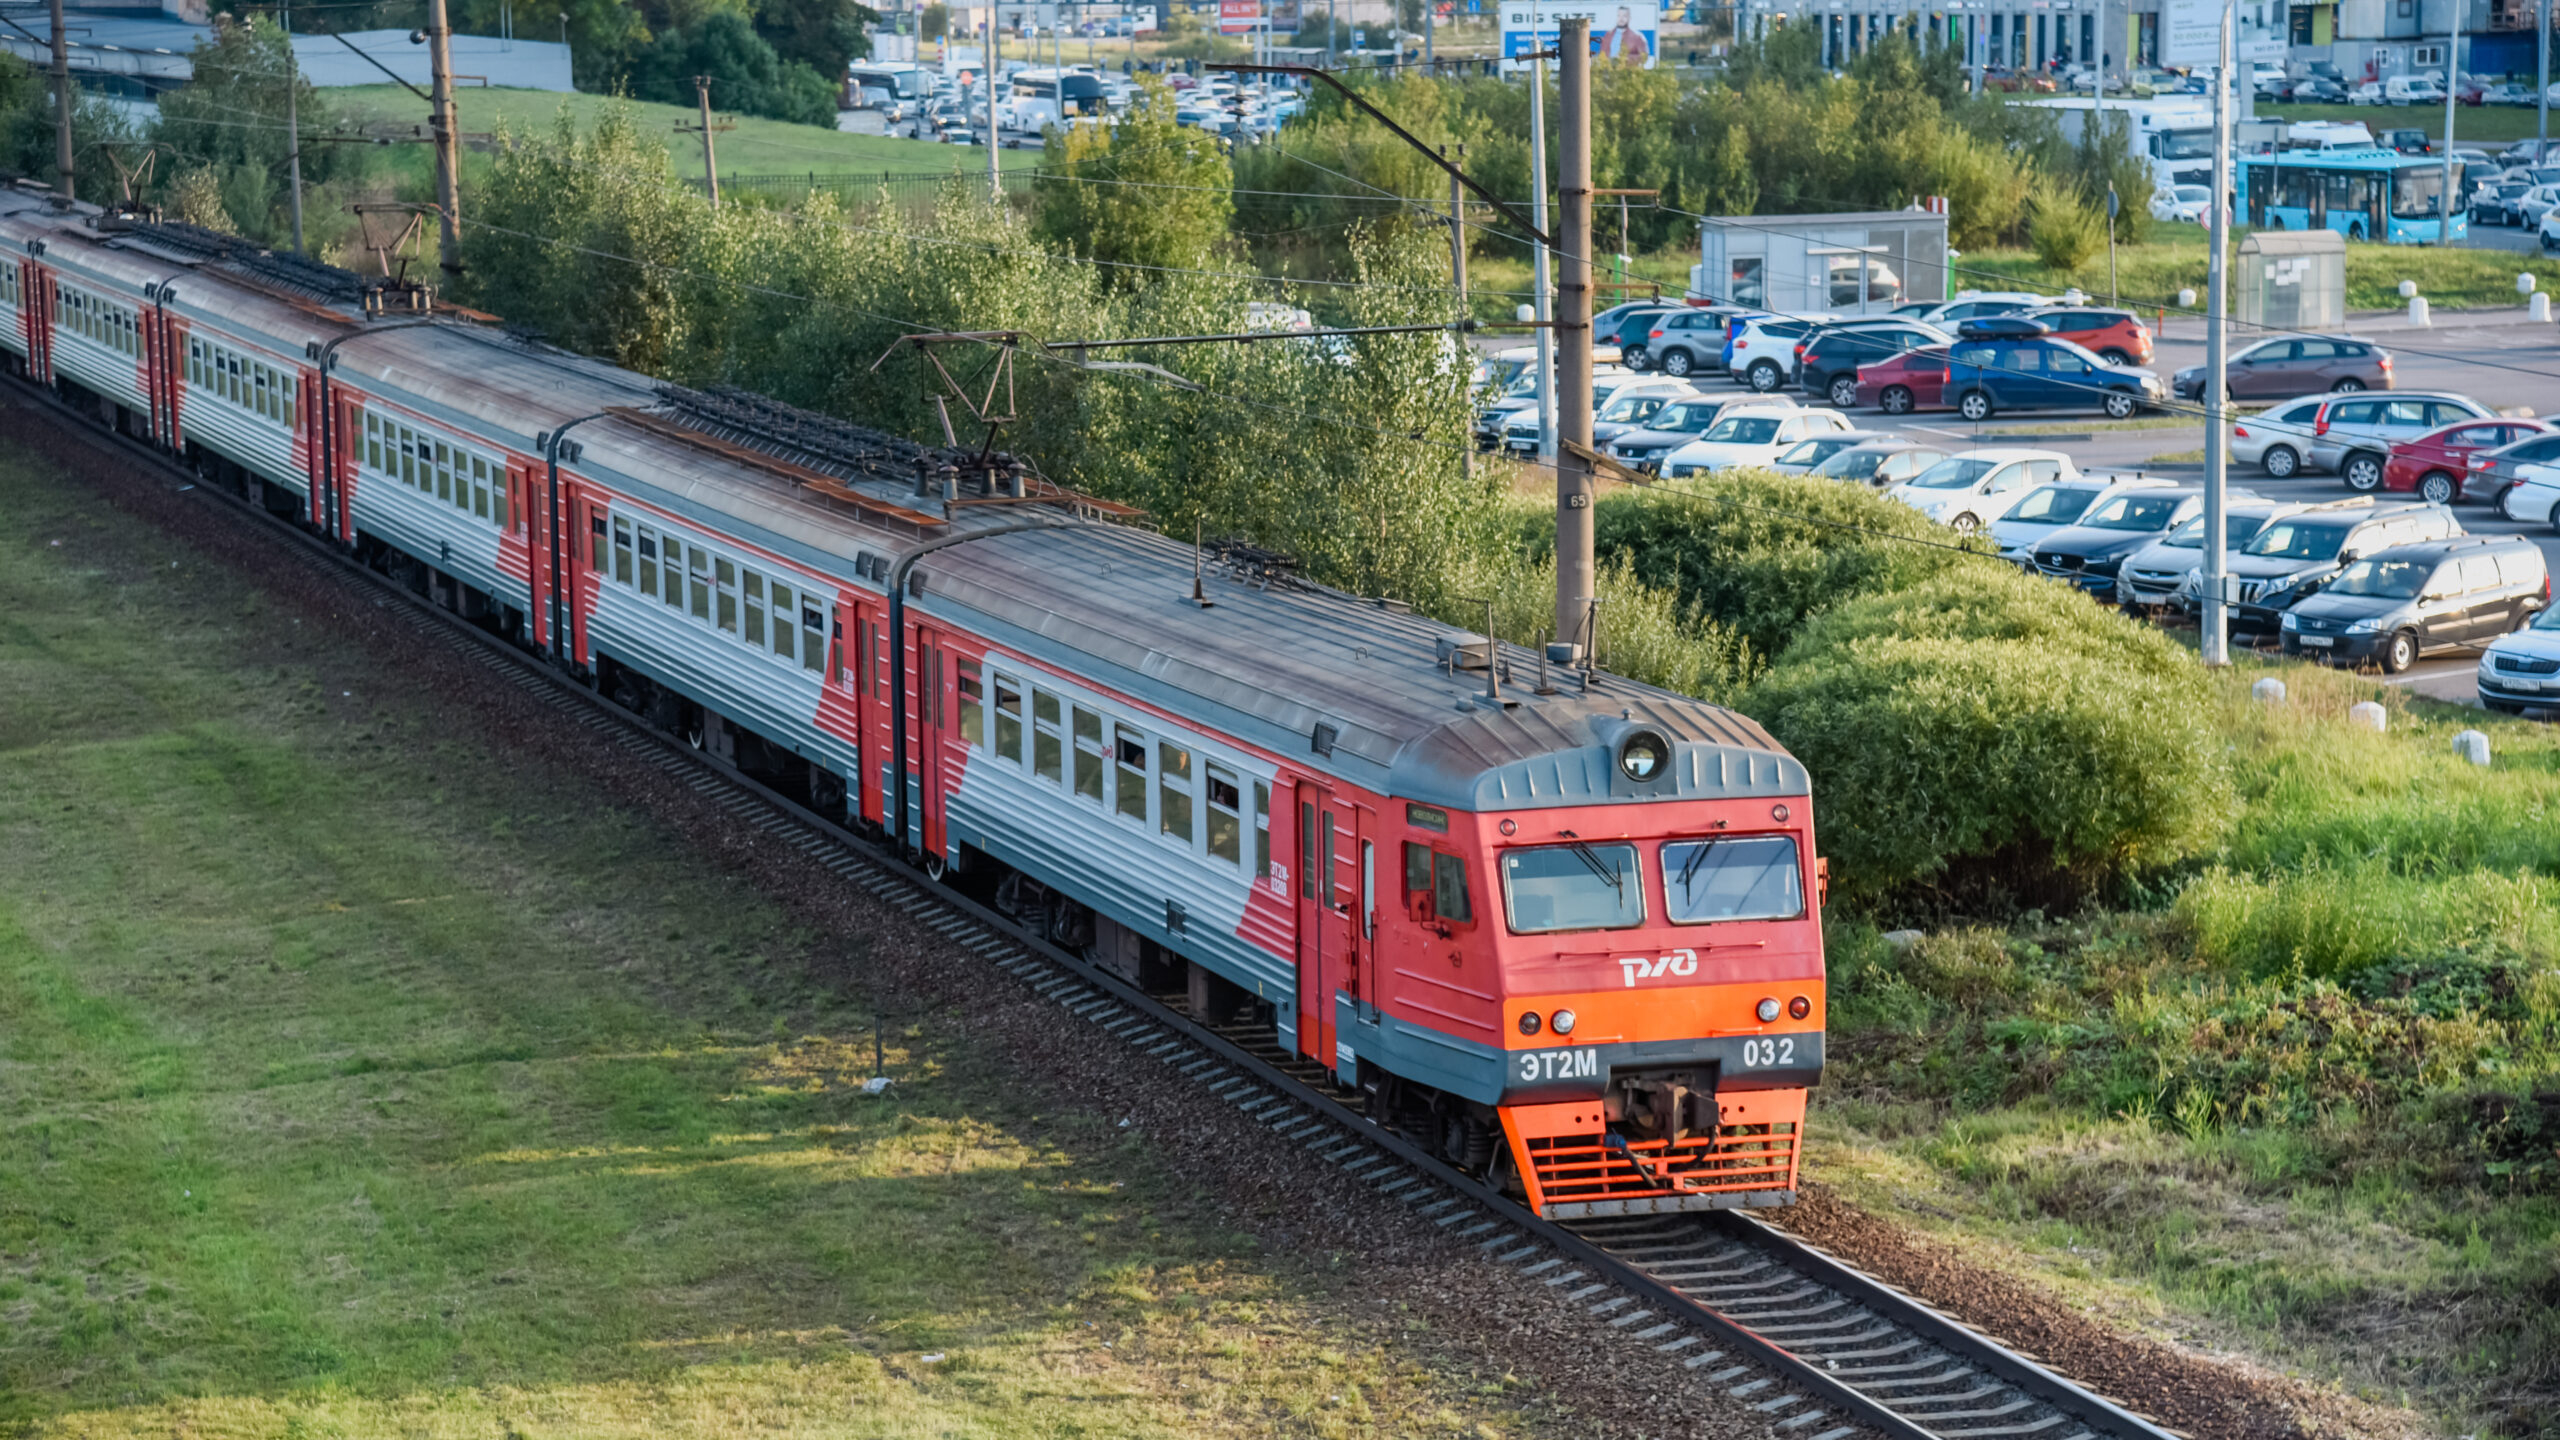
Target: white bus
{"x":894,"y":87}
{"x":1042,"y":98}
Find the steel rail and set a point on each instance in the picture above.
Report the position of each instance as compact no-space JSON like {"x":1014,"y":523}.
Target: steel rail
{"x":1836,"y":1314}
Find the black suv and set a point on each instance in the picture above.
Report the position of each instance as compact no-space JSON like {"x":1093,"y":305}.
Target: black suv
{"x":2409,"y":599}
{"x":1828,"y":360}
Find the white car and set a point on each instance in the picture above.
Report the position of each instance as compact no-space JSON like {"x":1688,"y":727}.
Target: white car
{"x":2412,"y":90}
{"x":2537,"y":204}
{"x":1752,"y":435}
{"x":2054,"y":505}
{"x":2182,"y":202}
{"x":2368,"y":93}
{"x":2534,"y":497}
{"x":1763,"y":353}
{"x":2547,"y":229}
{"x":1973,"y":488}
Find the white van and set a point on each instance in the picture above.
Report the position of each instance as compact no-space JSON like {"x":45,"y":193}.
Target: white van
{"x":2412,"y":90}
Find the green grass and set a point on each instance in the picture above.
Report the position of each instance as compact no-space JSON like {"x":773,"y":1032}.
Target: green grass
{"x":2151,"y":274}
{"x":2278,"y":1097}
{"x":357,"y":1078}
{"x":2492,"y":127}
{"x":755,"y":147}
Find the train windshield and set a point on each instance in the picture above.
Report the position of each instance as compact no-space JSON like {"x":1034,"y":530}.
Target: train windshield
{"x":1572,"y":887}
{"x":1747,"y":878}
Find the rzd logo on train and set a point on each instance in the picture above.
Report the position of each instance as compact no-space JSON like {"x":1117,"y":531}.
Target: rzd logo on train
{"x":1678,"y":962}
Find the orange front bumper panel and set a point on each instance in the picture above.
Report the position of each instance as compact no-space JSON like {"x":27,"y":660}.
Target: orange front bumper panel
{"x":1571,"y":1167}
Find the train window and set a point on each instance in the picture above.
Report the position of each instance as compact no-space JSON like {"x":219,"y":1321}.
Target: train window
{"x":373,"y":440}
{"x":879,"y":671}
{"x":973,"y":702}
{"x":1752,"y":877}
{"x":292,"y":400}
{"x":597,"y":545}
{"x":753,"y":585}
{"x":408,"y":457}
{"x":648,"y":562}
{"x":1261,"y":829}
{"x":780,"y":600}
{"x":1226,"y":825}
{"x":671,"y":572}
{"x":480,"y":507}
{"x":813,"y":635}
{"x":621,"y":549}
{"x":1580,"y":886}
{"x":1088,"y":754}
{"x":1130,"y":750}
{"x":1173,"y":792}
{"x":1368,"y":890}
{"x":1435,"y":885}
{"x":725,"y":575}
{"x":1306,"y":850}
{"x":1047,"y":755}
{"x":700,"y":561}
{"x":1009,"y":717}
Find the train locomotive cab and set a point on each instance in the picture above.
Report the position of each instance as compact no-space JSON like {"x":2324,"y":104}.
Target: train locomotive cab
{"x":1605,"y":985}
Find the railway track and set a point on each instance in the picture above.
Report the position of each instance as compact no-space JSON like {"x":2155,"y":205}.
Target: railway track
{"x":1819,"y":1349}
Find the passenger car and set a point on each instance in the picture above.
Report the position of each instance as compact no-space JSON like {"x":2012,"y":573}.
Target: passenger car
{"x":1972,"y":488}
{"x":2188,"y":203}
{"x":2295,"y":365}
{"x":2534,"y":496}
{"x":1762,"y":352}
{"x":2276,"y":439}
{"x":2353,"y":438}
{"x":1750,"y":435}
{"x":1809,"y":453}
{"x":2296,"y":555}
{"x":2437,"y":464}
{"x":1913,"y":380}
{"x":1879,"y":463}
{"x":2408,"y":141}
{"x":1633,"y":335}
{"x":2162,"y":574}
{"x":2521,"y":670}
{"x":1634,"y":404}
{"x":1680,"y":422}
{"x":2053,"y":506}
{"x":2116,"y":336}
{"x":2088,"y":553}
{"x":2498,"y":474}
{"x":1989,"y":376}
{"x":2402,"y":602}
{"x":1684,"y":342}
{"x":1974,"y":304}
{"x":1827,"y":361}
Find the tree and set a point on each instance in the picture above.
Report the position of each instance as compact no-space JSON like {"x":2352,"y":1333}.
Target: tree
{"x":934,"y":21}
{"x":1147,"y":191}
{"x":230,"y":122}
{"x":746,"y":74}
{"x":825,"y":35}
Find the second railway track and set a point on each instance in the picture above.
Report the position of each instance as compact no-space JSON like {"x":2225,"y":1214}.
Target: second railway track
{"x":1820,"y":1349}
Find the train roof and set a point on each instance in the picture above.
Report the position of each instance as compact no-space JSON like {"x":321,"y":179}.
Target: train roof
{"x":1362,"y":688}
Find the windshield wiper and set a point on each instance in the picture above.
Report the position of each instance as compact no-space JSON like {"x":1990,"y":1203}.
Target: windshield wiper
{"x":1591,"y":860}
{"x":1690,"y":869}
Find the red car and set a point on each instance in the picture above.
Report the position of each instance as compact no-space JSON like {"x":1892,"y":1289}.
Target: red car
{"x":1912,"y":380}
{"x":2118,"y":336}
{"x":2436,"y":463}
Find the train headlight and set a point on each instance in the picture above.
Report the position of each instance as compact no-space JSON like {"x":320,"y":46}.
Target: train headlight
{"x":1528,"y":1022}
{"x":1561,"y":1022}
{"x":1800,"y":1007}
{"x":1767,"y":1010}
{"x":1644,"y":755}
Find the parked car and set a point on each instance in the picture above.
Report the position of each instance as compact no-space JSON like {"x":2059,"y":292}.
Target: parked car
{"x":1989,"y":376}
{"x":2116,"y":336}
{"x":2352,"y":438}
{"x":2521,"y":670}
{"x":2494,"y":201}
{"x":1880,"y":464}
{"x":2273,"y":369}
{"x":2409,"y":141}
{"x":1827,"y":360}
{"x":1680,"y":422}
{"x":1913,"y":380}
{"x":2086,"y":555}
{"x":2293,"y":557}
{"x":1812,"y":451}
{"x":1762,"y":352}
{"x":2529,"y":208}
{"x":1494,"y":422}
{"x":1633,"y":335}
{"x":1750,"y":436}
{"x":2053,"y":507}
{"x":2496,"y":474}
{"x":1520,"y":426}
{"x":1686,"y":342}
{"x":2437,"y":464}
{"x":2159,"y":576}
{"x":2190,"y":203}
{"x":2412,"y":90}
{"x":1973,"y":488}
{"x":2507,"y":92}
{"x":2276,"y":439}
{"x":1974,"y":304}
{"x":2397,"y":605}
{"x":2547,"y":230}
{"x":2534,"y":496}
{"x":1632,"y":405}
{"x":2368,"y":93}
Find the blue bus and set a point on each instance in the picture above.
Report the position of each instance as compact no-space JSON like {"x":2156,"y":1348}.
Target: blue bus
{"x":2361,"y":194}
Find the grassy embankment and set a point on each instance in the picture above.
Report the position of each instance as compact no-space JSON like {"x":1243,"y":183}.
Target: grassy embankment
{"x":2300,"y":1100}
{"x":357,"y":1079}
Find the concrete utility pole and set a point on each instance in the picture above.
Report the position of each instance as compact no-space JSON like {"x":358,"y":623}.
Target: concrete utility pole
{"x":993,"y":57}
{"x":293,"y":124}
{"x":1541,"y":283}
{"x":448,"y":140}
{"x":1576,"y":576}
{"x":2542,"y":83}
{"x":2216,"y":640}
{"x":2444,"y":207}
{"x":61,"y":107}
{"x":710,"y":156}
{"x":1458,"y":271}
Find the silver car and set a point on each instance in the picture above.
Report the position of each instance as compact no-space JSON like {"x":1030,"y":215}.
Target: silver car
{"x":2353,"y":434}
{"x":2159,"y":575}
{"x":2048,"y":508}
{"x":2278,"y":439}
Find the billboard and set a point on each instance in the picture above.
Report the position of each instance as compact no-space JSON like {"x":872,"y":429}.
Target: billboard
{"x":1239,"y":17}
{"x":2191,"y":32}
{"x":1622,"y":31}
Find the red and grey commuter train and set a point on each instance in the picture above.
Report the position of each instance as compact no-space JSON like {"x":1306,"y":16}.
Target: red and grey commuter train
{"x":1567,"y":934}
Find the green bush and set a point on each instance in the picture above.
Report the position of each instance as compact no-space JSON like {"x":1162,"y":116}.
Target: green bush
{"x":1988,"y":600}
{"x":1758,"y":552}
{"x":2333,"y":922}
{"x":2006,"y":768}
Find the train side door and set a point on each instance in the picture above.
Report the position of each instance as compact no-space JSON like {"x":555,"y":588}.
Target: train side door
{"x":870,"y":682}
{"x":1328,"y":848}
{"x":1356,"y":887}
{"x":936,"y":723}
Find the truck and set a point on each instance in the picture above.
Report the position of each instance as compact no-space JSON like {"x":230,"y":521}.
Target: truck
{"x":2174,"y":133}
